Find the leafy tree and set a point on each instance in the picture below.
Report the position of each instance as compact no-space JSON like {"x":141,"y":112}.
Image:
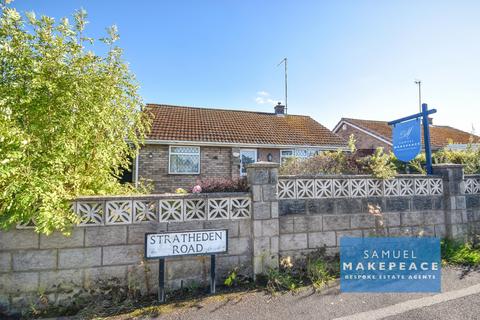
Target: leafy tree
{"x":69,"y":119}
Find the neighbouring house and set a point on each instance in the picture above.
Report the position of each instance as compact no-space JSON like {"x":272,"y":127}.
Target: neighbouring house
{"x":370,"y":134}
{"x":187,"y":144}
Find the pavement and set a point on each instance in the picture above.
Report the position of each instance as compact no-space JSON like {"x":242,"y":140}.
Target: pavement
{"x":459,"y":299}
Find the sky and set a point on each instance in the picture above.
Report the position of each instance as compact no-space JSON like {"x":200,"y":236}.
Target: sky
{"x":356,"y":59}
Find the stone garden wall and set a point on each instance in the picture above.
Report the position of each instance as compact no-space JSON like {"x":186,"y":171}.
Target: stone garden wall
{"x":319,"y":212}
{"x":282,"y":215}
{"x":107,"y":248}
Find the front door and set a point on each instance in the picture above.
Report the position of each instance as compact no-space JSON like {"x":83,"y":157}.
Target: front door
{"x":247,"y":156}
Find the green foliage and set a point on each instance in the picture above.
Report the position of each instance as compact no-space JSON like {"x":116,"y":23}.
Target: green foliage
{"x":470,"y":158}
{"x":69,"y":119}
{"x":235,"y":278}
{"x":340,"y":162}
{"x":460,"y":253}
{"x":327,"y":162}
{"x":380,"y":165}
{"x":321,"y":271}
{"x":281,"y":280}
{"x":352,"y":143}
{"x":315,"y":268}
{"x":417,"y":165}
{"x":231,"y":279}
{"x":181,"y":191}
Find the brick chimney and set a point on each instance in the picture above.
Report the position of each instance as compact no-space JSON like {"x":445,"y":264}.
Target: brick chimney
{"x":280,"y":109}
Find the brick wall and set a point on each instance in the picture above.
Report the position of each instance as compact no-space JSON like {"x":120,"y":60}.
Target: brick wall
{"x":364,"y":142}
{"x":215,"y":162}
{"x":263,"y":155}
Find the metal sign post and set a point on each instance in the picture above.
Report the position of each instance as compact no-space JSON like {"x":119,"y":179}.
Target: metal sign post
{"x":426,"y":132}
{"x":161,"y":280}
{"x":426,"y":137}
{"x":186,"y":243}
{"x":212,"y":273}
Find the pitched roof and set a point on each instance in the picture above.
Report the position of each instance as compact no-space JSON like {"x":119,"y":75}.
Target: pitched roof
{"x":440,"y":136}
{"x":178,"y":123}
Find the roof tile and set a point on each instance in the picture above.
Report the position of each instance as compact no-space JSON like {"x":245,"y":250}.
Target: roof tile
{"x":231,"y":126}
{"x":439,"y":135}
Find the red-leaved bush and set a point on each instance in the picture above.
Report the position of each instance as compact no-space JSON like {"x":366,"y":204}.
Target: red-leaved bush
{"x":210,"y":185}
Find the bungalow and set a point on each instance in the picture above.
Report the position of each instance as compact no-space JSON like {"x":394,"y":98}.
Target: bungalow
{"x":187,"y":144}
{"x":371,"y":134}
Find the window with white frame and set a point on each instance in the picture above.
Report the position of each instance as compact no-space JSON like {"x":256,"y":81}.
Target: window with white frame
{"x":285,"y":154}
{"x":301,"y":153}
{"x":247,"y":156}
{"x":184,"y":160}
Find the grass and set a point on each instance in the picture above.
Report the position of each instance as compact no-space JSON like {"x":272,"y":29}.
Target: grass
{"x":460,"y":253}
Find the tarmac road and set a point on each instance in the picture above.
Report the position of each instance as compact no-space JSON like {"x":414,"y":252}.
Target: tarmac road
{"x":460,"y":299}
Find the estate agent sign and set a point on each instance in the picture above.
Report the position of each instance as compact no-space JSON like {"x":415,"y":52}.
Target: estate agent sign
{"x":185,"y":243}
{"x":406,"y":136}
{"x":406,"y":140}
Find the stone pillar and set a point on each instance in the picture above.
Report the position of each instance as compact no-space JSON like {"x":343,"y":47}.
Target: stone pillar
{"x":262,"y":178}
{"x":454,"y":202}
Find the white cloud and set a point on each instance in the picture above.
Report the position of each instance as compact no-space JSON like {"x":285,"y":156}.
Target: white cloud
{"x":263,"y":93}
{"x":263,"y":97}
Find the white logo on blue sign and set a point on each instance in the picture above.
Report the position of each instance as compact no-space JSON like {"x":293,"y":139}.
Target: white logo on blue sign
{"x":406,"y":140}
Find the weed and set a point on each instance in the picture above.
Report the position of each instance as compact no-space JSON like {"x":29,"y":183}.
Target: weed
{"x":318,"y":273}
{"x":460,"y":253}
{"x":282,"y":280}
{"x":316,"y":268}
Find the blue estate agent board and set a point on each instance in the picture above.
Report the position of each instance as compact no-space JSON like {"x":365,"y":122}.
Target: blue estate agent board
{"x":406,"y":136}
{"x":402,"y":264}
{"x":406,"y":140}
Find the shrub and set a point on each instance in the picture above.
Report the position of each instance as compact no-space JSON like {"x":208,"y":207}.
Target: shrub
{"x":380,"y":165}
{"x":470,"y":157}
{"x":210,"y":185}
{"x":460,"y":253}
{"x":328,"y":162}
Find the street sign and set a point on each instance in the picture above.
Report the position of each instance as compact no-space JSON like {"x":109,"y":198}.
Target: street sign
{"x":185,"y":243}
{"x":170,"y":244}
{"x":406,"y":140}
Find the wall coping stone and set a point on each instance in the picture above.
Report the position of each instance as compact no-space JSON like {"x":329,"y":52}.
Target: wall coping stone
{"x":160,"y":196}
{"x":263,"y":164}
{"x":448,"y":165}
{"x":472,"y":176}
{"x":359,"y":176}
